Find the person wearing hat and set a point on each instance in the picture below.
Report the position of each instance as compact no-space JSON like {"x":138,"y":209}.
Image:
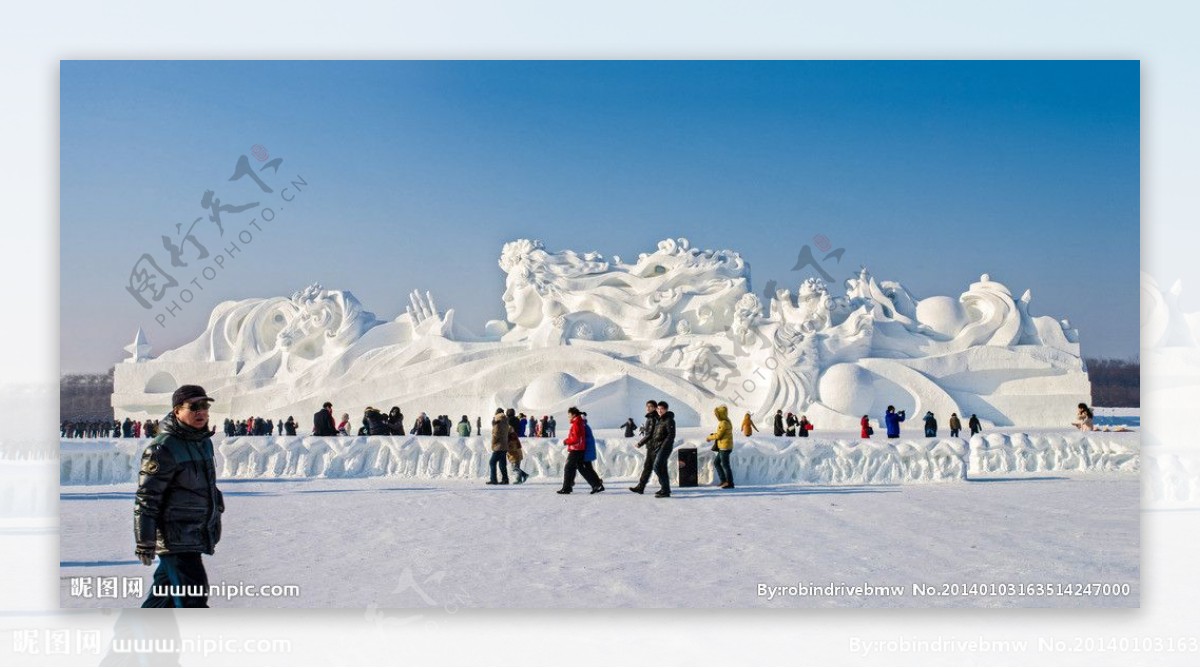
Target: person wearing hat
{"x":177,"y":508}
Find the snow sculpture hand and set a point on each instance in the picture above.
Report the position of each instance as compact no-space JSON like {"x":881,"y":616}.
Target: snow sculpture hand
{"x":425,"y":318}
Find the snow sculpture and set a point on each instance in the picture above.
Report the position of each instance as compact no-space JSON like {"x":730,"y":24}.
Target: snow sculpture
{"x":679,"y":324}
{"x":139,"y":350}
{"x":551,"y":298}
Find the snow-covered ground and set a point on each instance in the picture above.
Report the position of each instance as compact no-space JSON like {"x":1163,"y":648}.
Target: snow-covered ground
{"x":408,"y":523}
{"x":394,"y":543}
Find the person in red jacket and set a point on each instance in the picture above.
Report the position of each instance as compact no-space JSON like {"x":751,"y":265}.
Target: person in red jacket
{"x":866,"y":427}
{"x":576,"y":443}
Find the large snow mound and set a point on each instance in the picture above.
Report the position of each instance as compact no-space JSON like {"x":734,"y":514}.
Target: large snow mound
{"x":755,"y":461}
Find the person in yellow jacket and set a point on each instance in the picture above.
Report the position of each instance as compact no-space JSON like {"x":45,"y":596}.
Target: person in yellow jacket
{"x":748,"y":426}
{"x":723,"y":438}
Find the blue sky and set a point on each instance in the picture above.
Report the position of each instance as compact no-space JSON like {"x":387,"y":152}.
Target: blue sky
{"x":929,"y":173}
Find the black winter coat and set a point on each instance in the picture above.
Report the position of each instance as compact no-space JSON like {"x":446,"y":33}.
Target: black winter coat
{"x":648,"y":428}
{"x":663,"y":435}
{"x":323,"y":424}
{"x":396,"y":424}
{"x":177,"y":508}
{"x":376,"y":424}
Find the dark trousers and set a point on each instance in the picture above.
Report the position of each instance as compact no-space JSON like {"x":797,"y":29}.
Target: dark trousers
{"x":724,"y":472}
{"x":575,"y":463}
{"x":930,"y":433}
{"x":660,"y":468}
{"x":181,"y":582}
{"x":953,"y":433}
{"x":647,"y":466}
{"x":499,"y":458}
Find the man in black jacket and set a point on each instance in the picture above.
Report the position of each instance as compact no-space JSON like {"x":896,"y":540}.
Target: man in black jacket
{"x":663,"y":438}
{"x":177,"y":508}
{"x":323,"y":421}
{"x":651,"y":451}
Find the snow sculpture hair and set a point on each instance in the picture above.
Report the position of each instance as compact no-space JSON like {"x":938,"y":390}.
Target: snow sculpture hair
{"x":603,"y":300}
{"x":324,"y":317}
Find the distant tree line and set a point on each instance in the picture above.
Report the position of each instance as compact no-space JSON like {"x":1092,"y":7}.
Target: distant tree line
{"x":1115,"y":383}
{"x":85,"y":396}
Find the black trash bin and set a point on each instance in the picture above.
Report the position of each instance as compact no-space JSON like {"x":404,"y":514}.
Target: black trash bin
{"x":688,"y":474}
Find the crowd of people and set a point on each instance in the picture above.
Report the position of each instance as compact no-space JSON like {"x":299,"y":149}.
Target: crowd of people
{"x":105,"y":428}
{"x":376,"y":423}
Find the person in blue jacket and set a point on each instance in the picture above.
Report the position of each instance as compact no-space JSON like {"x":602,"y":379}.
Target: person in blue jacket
{"x":892,"y":421}
{"x":589,"y":453}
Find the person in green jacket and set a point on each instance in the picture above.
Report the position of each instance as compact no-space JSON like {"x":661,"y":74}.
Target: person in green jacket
{"x":723,"y":438}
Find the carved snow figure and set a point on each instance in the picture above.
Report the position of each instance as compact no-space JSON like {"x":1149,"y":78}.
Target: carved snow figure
{"x":679,"y":324}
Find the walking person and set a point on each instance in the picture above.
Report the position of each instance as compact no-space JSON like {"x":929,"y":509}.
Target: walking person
{"x":892,"y":421}
{"x":930,"y":425}
{"x":723,"y":443}
{"x":589,"y":454}
{"x":867,"y":431}
{"x":323,"y":421}
{"x":646,"y":440}
{"x":664,"y":440}
{"x":500,"y":432}
{"x":464,"y":428}
{"x":576,"y":442}
{"x":630,"y":427}
{"x":792,"y":422}
{"x":955,"y":425}
{"x":289,"y":427}
{"x":778,"y":426}
{"x":516,"y":453}
{"x":973,"y":425}
{"x":177,"y":508}
{"x":748,"y":426}
{"x":804,"y":427}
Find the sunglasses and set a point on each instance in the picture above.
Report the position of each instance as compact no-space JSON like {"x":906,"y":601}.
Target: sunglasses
{"x":198,"y":406}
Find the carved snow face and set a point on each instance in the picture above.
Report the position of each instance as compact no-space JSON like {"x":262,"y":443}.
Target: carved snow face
{"x":522,"y":303}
